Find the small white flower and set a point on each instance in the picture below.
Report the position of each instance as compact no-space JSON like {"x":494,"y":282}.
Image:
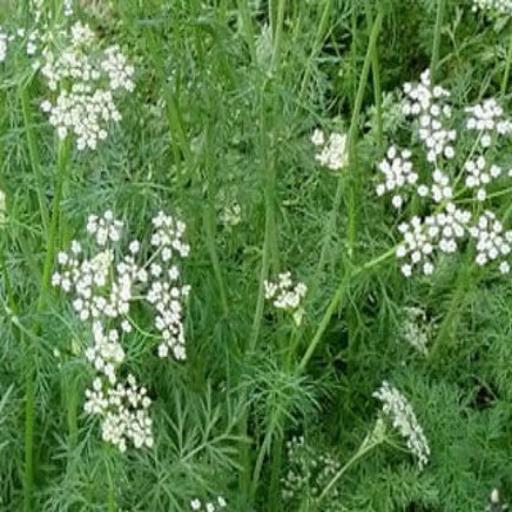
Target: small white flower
{"x":3,"y":45}
{"x":284,"y":294}
{"x":333,"y":152}
{"x":487,"y":118}
{"x":318,"y":137}
{"x":426,"y":103}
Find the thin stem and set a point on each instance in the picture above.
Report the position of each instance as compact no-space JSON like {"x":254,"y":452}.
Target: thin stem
{"x":454,"y":309}
{"x":264,"y":448}
{"x":377,"y":89}
{"x":248,"y":28}
{"x":209,"y":224}
{"x":335,"y":302}
{"x":320,"y":34}
{"x":274,"y":474}
{"x":367,"y":445}
{"x":352,"y":154}
{"x":331,"y":308}
{"x":62,"y":166}
{"x":277,"y":34}
{"x":437,"y":38}
{"x":179,"y":144}
{"x":270,"y":255}
{"x":354,"y":126}
{"x":28,"y":481}
{"x":508,"y":63}
{"x":33,"y":153}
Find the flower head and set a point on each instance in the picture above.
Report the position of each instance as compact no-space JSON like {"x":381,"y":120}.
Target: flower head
{"x":87,"y":81}
{"x":104,"y":286}
{"x":446,"y":225}
{"x":397,"y":408}
{"x":332,"y":151}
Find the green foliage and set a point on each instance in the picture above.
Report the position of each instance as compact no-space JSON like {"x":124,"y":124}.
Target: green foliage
{"x":228,"y":93}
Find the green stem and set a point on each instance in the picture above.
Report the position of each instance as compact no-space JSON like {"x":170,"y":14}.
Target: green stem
{"x":11,"y":309}
{"x":335,"y":302}
{"x":62,"y":166}
{"x":33,"y":153}
{"x":367,"y":445}
{"x":277,"y":32}
{"x":317,"y":44}
{"x":352,"y":154}
{"x":247,"y":28}
{"x":454,"y":310}
{"x":352,"y":135}
{"x":437,"y":39}
{"x":508,"y":63}
{"x":209,"y":223}
{"x":275,"y":469}
{"x":29,"y":439}
{"x":264,"y":449}
{"x":179,"y":144}
{"x":376,"y":82}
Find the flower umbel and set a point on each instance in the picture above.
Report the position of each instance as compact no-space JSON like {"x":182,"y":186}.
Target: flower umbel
{"x":447,"y":226}
{"x":332,"y":151}
{"x":87,"y":81}
{"x":397,"y":408}
{"x":104,"y":286}
{"x":286,"y":295}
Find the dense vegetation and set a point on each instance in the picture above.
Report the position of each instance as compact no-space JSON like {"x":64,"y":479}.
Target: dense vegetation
{"x":165,"y":164}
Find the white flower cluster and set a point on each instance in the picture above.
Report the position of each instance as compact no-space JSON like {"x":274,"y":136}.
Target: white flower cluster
{"x":106,"y":353}
{"x":308,"y":472}
{"x":492,"y":241}
{"x":422,"y":237}
{"x":208,"y":506}
{"x":441,"y":189}
{"x":124,"y":409}
{"x":284,"y":293}
{"x":87,"y":81}
{"x":495,"y":502}
{"x":415,"y":330}
{"x":487,"y":118}
{"x":448,"y":225}
{"x":496,"y":6}
{"x":104,"y":286}
{"x":164,"y":293}
{"x":425,"y":103}
{"x":397,"y":408}
{"x":333,"y":151}
{"x":3,"y":45}
{"x":478,"y":176}
{"x":398,"y":173}
{"x":231,"y":215}
{"x":68,"y":8}
{"x":104,"y":228}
